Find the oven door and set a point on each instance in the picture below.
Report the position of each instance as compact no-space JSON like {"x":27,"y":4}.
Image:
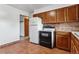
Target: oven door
{"x":45,"y":38}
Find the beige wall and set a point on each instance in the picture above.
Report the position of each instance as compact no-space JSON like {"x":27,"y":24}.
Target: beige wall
{"x":74,"y":26}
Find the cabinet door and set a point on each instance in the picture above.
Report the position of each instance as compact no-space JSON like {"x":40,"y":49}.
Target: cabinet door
{"x":78,"y":11}
{"x":51,"y":16}
{"x":74,"y":45}
{"x":73,"y":48}
{"x":72,"y":13}
{"x":61,"y":15}
{"x":42,"y":16}
{"x":62,"y":42}
{"x":35,"y":15}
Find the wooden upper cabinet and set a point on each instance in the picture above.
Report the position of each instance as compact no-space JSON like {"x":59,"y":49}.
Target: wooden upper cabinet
{"x":67,"y":14}
{"x":42,"y":16}
{"x":61,"y":15}
{"x":72,"y":13}
{"x":35,"y":15}
{"x":78,"y":11}
{"x":47,"y":17}
{"x":51,"y":16}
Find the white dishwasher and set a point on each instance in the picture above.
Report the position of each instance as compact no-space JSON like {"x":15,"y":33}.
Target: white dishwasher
{"x":47,"y":37}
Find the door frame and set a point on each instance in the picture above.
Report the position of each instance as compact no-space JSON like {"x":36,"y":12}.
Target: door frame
{"x":23,"y":30}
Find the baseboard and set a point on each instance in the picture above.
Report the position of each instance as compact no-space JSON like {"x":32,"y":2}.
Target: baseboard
{"x":11,"y":43}
{"x":34,"y":43}
{"x":8,"y":44}
{"x":27,"y":37}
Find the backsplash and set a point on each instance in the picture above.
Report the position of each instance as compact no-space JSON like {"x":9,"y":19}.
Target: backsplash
{"x":74,"y":26}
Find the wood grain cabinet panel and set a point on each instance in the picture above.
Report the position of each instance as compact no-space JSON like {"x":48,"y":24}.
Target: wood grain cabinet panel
{"x":35,"y":15}
{"x":42,"y":16}
{"x":78,"y":11}
{"x":74,"y":45}
{"x":63,"y":41}
{"x":47,"y":17}
{"x":51,"y":16}
{"x":61,"y":15}
{"x":73,"y":48}
{"x":72,"y":14}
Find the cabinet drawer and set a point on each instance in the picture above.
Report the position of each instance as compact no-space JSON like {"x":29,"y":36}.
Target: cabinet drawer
{"x":63,"y":33}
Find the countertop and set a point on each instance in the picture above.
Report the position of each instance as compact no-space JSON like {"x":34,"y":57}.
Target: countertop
{"x":76,"y":34}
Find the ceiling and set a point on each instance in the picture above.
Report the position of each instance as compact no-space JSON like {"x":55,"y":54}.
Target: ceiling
{"x":28,"y":7}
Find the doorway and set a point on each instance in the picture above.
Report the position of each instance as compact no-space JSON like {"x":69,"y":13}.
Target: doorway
{"x":24,"y":27}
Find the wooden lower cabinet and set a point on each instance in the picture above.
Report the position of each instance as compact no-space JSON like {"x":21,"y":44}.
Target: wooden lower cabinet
{"x":63,"y":41}
{"x":74,"y":45}
{"x":73,"y":48}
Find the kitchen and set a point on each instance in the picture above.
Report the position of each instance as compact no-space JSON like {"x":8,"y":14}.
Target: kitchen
{"x":62,"y":20}
{"x":66,"y":22}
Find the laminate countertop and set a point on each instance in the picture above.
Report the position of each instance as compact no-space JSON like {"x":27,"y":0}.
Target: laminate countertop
{"x":76,"y":34}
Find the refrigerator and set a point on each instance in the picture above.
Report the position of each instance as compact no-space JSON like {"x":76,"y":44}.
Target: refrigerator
{"x":35,"y":25}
